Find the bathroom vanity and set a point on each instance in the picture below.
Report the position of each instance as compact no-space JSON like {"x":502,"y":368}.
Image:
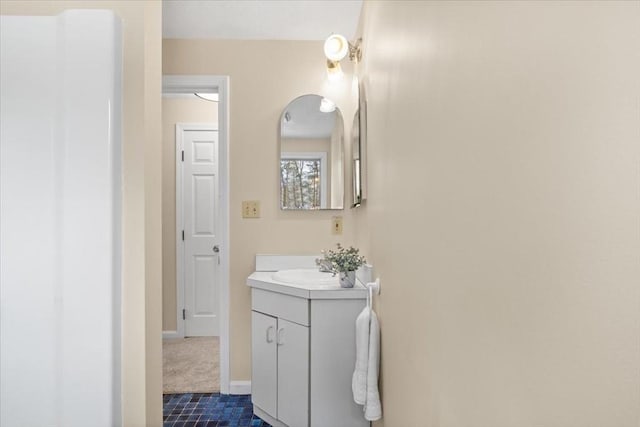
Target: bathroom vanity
{"x":303,"y":345}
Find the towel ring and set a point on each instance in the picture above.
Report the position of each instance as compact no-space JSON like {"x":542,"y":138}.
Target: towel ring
{"x":371,"y":287}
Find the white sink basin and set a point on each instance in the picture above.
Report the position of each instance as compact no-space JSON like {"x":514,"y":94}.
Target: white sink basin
{"x":307,"y":277}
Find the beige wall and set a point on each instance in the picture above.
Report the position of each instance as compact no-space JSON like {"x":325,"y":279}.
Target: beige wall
{"x":175,"y":110}
{"x":153,"y":210}
{"x":503,"y":211}
{"x":264,"y":77}
{"x":141,"y":287}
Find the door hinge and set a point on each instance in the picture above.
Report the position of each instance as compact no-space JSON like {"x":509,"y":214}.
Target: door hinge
{"x":184,"y":314}
{"x":183,"y":235}
{"x":183,"y":155}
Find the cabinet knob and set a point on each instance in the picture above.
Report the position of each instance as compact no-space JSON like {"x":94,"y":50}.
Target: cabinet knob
{"x":280,"y":337}
{"x":269,"y":338}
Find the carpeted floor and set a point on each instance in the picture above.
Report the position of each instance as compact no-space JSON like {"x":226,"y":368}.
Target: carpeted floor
{"x":190,"y":365}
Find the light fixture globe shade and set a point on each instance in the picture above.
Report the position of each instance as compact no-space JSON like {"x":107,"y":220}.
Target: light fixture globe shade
{"x":334,"y":71}
{"x":336,"y":47}
{"x":327,"y":105}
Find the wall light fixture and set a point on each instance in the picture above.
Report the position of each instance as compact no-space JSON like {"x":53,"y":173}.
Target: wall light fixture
{"x":336,"y":48}
{"x":334,"y":71}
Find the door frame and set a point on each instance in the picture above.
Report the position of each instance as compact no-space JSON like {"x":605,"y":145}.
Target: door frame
{"x":202,"y":83}
{"x":180,"y":247}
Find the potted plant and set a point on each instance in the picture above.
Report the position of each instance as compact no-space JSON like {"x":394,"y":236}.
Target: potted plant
{"x":345,"y":262}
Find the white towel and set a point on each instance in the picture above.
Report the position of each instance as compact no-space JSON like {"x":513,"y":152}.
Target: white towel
{"x":359,"y":379}
{"x":364,"y":383}
{"x":372,"y":407}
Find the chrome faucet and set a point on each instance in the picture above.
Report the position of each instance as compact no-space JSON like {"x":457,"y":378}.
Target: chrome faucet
{"x":324,"y":265}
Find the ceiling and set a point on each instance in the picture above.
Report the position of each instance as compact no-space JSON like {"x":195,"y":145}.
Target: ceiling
{"x":305,"y":120}
{"x":259,"y":19}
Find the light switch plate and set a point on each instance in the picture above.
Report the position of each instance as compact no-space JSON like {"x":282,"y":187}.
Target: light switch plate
{"x":336,"y":225}
{"x":251,"y":209}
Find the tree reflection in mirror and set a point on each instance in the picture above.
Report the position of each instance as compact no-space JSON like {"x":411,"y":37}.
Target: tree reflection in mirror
{"x":300,"y":186}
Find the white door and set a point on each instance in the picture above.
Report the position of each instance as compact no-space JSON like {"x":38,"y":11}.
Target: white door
{"x":201,"y":236}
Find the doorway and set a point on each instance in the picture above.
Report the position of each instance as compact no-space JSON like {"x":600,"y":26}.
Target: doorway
{"x":195,"y":309}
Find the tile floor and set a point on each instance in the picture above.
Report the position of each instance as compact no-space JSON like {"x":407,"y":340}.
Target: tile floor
{"x":209,"y":410}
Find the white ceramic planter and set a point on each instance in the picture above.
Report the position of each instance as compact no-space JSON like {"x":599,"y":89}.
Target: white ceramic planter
{"x":347,"y":279}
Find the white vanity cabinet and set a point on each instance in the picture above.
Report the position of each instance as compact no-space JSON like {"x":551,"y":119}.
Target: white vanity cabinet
{"x":280,"y":358}
{"x":303,"y":353}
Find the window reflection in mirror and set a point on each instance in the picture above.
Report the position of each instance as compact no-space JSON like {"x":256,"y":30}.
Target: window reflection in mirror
{"x":302,"y":183}
{"x":311,"y":155}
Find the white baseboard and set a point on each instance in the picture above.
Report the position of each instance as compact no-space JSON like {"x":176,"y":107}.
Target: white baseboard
{"x":170,"y":334}
{"x":240,"y":387}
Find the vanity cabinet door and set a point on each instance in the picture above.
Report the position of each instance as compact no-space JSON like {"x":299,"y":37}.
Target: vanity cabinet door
{"x":264,"y":361}
{"x":293,"y":373}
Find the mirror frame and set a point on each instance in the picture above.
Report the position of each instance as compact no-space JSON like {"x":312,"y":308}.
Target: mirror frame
{"x":356,"y":161}
{"x":359,"y":146}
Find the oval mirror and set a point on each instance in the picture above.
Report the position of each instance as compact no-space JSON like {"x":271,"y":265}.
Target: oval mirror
{"x":311,"y":155}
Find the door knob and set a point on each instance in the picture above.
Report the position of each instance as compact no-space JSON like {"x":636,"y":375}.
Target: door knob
{"x":216,"y":249}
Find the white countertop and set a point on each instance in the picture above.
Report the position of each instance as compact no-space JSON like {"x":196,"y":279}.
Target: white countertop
{"x":264,"y":280}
